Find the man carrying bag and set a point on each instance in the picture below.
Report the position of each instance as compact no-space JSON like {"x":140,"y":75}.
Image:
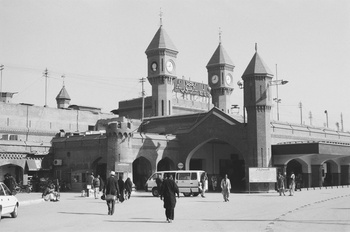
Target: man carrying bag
{"x":111,"y":191}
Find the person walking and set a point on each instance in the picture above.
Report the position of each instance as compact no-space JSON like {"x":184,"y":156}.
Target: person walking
{"x":96,"y":185}
{"x":292,"y":184}
{"x":280,"y":184}
{"x":102,"y":183}
{"x":128,"y":187}
{"x":10,"y":182}
{"x":111,"y":191}
{"x":89,"y":184}
{"x":226,"y":187}
{"x":167,"y":194}
{"x":159,"y":183}
{"x":214,"y":182}
{"x":121,"y":189}
{"x":204,"y":182}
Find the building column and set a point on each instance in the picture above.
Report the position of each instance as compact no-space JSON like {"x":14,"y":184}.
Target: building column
{"x":316,"y":175}
{"x":345,"y":175}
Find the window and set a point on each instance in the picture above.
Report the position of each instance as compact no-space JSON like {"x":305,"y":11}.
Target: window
{"x":83,"y":177}
{"x":162,"y":107}
{"x":169,"y":107}
{"x":183,"y":176}
{"x":91,"y":128}
{"x":194,"y":176}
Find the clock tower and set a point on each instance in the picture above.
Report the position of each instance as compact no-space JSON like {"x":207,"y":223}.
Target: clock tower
{"x":161,"y":68}
{"x":220,"y":79}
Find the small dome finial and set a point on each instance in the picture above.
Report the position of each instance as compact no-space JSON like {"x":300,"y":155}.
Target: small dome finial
{"x":63,"y":76}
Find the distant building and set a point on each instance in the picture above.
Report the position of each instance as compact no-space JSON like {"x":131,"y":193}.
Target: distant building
{"x":193,"y":124}
{"x":26,"y":132}
{"x":183,"y":123}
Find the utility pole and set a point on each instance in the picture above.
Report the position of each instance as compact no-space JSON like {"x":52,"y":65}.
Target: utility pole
{"x":310,"y":117}
{"x":1,"y":68}
{"x":46,"y":73}
{"x":142,"y":80}
{"x":301,"y":112}
{"x":341,"y":122}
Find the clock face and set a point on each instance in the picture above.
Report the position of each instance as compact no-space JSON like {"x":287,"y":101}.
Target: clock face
{"x":214,"y":79}
{"x":228,"y":79}
{"x":169,"y":66}
{"x":154,"y":66}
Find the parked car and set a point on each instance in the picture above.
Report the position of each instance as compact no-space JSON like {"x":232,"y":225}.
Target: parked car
{"x":188,"y":181}
{"x":8,"y":202}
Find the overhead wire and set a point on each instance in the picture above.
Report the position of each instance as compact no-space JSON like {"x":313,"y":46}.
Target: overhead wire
{"x":122,"y":84}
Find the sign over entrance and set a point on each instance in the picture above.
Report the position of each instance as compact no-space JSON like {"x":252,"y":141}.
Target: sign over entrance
{"x":180,"y":165}
{"x":262,"y":175}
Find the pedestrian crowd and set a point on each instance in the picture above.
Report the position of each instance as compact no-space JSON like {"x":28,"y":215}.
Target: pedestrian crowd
{"x":116,"y":190}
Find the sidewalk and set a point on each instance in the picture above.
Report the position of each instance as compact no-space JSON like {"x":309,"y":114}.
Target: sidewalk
{"x":35,"y":197}
{"x":319,"y":209}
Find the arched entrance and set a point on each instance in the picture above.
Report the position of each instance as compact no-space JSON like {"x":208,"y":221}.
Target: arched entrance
{"x":141,"y":170}
{"x":219,"y":158}
{"x":295,"y":167}
{"x":329,"y":173}
{"x":165,"y":164}
{"x":14,"y":170}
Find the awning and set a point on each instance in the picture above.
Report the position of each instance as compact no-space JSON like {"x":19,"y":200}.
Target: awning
{"x":34,"y":165}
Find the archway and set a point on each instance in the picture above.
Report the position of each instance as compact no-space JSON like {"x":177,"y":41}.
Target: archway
{"x":329,"y":173}
{"x":165,"y":164}
{"x":14,"y":170}
{"x":141,"y":170}
{"x":219,"y":158}
{"x":297,"y":168}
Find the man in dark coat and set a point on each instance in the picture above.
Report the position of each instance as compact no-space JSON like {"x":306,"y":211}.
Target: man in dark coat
{"x":167,"y":193}
{"x":10,"y":182}
{"x":128,"y":187}
{"x":121,"y":189}
{"x":111,"y":189}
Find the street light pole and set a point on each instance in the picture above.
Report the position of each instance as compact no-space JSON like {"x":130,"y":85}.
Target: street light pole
{"x":1,"y":68}
{"x":240,"y":86}
{"x":142,"y":80}
{"x":277,"y":99}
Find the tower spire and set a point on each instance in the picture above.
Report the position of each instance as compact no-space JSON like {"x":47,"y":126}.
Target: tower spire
{"x":161,"y":17}
{"x":220,"y":33}
{"x":256,"y":47}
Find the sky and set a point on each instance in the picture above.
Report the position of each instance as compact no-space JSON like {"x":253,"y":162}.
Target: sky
{"x":99,"y":47}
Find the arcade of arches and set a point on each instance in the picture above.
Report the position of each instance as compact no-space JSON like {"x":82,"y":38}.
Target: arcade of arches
{"x":215,"y":157}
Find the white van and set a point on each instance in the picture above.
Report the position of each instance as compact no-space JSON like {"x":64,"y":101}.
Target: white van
{"x":188,"y":181}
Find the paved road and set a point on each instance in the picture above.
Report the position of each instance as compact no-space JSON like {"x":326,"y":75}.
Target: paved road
{"x":313,"y":210}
